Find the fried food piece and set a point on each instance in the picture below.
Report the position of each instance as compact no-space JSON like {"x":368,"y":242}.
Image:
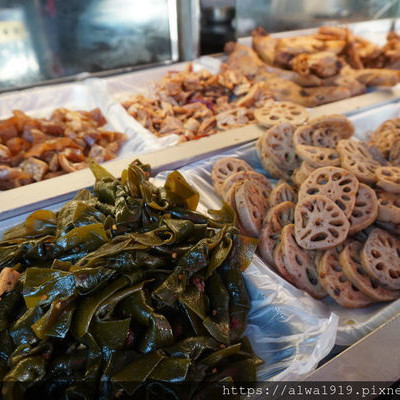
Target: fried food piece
{"x":324,"y":64}
{"x":284,"y":90}
{"x":246,"y":60}
{"x":376,"y":77}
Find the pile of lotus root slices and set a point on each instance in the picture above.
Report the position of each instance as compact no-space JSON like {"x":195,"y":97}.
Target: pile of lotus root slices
{"x":330,"y":225}
{"x":311,"y":70}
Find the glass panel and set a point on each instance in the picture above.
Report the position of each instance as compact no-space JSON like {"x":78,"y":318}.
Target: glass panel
{"x":283,"y":15}
{"x":50,"y":39}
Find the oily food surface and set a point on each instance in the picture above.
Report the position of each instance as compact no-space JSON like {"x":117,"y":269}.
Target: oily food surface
{"x":313,"y":212}
{"x":127,"y":285}
{"x":33,"y":149}
{"x":196,"y":104}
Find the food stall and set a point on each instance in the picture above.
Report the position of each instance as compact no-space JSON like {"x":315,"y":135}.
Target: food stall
{"x":176,"y":224}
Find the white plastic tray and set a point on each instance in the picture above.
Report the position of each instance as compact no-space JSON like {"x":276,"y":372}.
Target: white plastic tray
{"x":40,"y":102}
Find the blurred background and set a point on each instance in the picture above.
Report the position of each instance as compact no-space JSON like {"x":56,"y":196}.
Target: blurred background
{"x":47,"y":41}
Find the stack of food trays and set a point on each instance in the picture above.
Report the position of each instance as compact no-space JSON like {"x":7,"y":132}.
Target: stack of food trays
{"x":289,"y":330}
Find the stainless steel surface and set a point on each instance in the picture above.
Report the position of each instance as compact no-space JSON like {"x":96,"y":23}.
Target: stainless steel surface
{"x":282,"y":15}
{"x":173,"y":29}
{"x":188,"y":29}
{"x":375,"y":358}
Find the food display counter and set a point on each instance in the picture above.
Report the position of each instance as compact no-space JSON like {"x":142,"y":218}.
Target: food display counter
{"x":302,"y":258}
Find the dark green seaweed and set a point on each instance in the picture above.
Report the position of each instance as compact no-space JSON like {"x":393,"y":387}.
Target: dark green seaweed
{"x":126,"y":292}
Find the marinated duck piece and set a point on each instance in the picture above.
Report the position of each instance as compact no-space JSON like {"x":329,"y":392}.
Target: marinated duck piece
{"x":323,"y":64}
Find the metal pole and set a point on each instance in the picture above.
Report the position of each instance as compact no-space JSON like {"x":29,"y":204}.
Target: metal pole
{"x":188,"y":28}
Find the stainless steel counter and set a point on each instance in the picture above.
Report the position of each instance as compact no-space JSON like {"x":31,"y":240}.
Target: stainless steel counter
{"x":376,"y":358}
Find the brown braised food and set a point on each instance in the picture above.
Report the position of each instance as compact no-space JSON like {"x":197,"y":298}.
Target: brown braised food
{"x":33,"y":149}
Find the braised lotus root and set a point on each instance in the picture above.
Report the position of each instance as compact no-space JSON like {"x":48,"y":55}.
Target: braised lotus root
{"x":385,"y":139}
{"x":300,"y":264}
{"x":394,"y":152}
{"x":350,"y":261}
{"x":319,"y":223}
{"x":380,"y":257}
{"x":225,"y":167}
{"x":301,"y":174}
{"x":385,"y":135}
{"x":365,"y":210}
{"x":280,"y":266}
{"x":335,"y":282}
{"x":336,"y":183}
{"x":389,"y":179}
{"x":230,"y":199}
{"x":390,"y":227}
{"x":244,"y":176}
{"x":356,"y":157}
{"x":276,"y":218}
{"x":281,"y":193}
{"x":276,"y":113}
{"x":325,"y":131}
{"x":316,"y":142}
{"x":251,"y":205}
{"x":274,"y":170}
{"x":318,"y":156}
{"x":388,"y":207}
{"x":277,"y":144}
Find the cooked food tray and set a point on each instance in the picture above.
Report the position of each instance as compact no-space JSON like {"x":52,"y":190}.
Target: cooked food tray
{"x":290,"y":337}
{"x":50,"y":131}
{"x":353,"y":323}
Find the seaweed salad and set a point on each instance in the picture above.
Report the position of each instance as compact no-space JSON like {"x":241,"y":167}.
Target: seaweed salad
{"x":127,"y":292}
